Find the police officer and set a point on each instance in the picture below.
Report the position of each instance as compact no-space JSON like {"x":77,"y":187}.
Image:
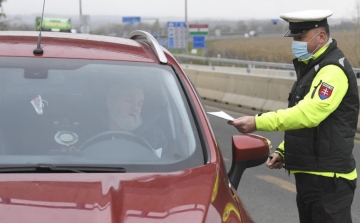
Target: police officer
{"x":319,"y":124}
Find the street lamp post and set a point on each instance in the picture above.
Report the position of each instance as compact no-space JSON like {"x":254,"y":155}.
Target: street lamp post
{"x":158,"y":29}
{"x":187,"y":30}
{"x":80,"y":6}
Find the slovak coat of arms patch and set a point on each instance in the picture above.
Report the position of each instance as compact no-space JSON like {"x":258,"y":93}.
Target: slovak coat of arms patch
{"x":325,"y":91}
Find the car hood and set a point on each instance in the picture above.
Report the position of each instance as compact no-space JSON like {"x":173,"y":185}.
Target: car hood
{"x":182,"y":196}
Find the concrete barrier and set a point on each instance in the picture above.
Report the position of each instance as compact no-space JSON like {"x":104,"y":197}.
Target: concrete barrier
{"x":242,"y":90}
{"x":255,"y":92}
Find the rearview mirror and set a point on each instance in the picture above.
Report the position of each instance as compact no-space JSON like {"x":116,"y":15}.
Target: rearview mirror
{"x":248,"y":150}
{"x":35,"y":73}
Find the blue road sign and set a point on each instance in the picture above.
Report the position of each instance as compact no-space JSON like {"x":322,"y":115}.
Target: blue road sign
{"x":131,"y":19}
{"x":176,"y":35}
{"x":198,"y":41}
{"x":274,"y":21}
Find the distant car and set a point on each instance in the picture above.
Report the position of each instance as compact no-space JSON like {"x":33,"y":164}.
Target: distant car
{"x":59,"y":164}
{"x":253,"y":33}
{"x":53,"y":24}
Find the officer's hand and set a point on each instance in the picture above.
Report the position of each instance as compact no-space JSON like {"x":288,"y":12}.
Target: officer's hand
{"x":245,"y":124}
{"x":276,"y":162}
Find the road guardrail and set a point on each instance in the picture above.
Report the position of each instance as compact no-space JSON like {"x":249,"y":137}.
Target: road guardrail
{"x":213,"y":61}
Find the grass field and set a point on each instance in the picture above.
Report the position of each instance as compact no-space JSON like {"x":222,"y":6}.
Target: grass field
{"x":277,"y":49}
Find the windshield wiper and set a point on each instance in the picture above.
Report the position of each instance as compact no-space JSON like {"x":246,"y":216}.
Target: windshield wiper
{"x":50,"y":168}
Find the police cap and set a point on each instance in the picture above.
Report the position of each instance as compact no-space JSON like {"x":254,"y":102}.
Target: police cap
{"x":302,"y":21}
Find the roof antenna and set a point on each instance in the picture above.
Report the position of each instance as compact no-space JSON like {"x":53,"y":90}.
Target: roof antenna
{"x":38,"y":49}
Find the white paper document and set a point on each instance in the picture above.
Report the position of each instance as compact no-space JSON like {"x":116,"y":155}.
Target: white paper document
{"x":222,"y":114}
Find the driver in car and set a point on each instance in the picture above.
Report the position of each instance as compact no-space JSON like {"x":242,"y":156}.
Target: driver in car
{"x":124,"y":103}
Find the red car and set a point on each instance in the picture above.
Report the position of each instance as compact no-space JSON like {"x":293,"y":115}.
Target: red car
{"x":106,"y":129}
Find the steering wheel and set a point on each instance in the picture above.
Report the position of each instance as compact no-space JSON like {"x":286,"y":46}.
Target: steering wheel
{"x":133,"y":136}
{"x":107,"y":134}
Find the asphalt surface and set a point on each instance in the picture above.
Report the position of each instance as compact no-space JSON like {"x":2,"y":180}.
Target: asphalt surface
{"x":269,"y":195}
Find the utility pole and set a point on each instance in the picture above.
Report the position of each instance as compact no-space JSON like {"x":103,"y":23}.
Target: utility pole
{"x":187,"y":30}
{"x":158,"y":29}
{"x":80,"y":17}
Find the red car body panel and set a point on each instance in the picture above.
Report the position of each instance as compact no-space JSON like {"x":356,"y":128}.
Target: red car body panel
{"x":59,"y":45}
{"x":200,"y":194}
{"x":184,"y":196}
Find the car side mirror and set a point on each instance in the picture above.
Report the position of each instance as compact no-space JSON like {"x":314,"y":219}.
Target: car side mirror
{"x":248,"y":150}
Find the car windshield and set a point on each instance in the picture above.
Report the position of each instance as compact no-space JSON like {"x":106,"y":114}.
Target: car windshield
{"x":62,"y":111}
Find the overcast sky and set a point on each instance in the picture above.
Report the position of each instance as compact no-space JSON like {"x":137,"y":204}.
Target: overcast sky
{"x":197,"y":9}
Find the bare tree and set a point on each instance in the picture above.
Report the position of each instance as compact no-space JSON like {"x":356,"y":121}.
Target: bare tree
{"x":2,"y":14}
{"x":352,"y":37}
{"x":356,"y":19}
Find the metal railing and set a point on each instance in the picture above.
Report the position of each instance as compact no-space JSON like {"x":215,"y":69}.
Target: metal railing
{"x":182,"y":58}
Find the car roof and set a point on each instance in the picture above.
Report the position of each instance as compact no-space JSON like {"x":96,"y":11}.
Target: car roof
{"x":139,"y":47}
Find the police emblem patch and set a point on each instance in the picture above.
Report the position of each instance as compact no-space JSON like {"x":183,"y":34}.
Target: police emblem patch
{"x":325,"y":91}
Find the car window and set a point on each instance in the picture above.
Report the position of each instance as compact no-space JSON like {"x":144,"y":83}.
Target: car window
{"x":62,"y":111}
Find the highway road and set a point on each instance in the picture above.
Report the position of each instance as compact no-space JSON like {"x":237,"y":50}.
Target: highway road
{"x":269,"y":195}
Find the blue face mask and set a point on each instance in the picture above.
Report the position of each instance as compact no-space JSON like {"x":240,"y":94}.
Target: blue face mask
{"x":299,"y":49}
